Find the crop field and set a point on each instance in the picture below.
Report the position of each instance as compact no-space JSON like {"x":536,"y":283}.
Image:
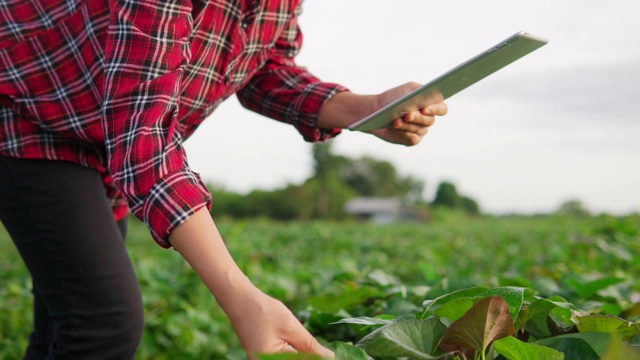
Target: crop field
{"x":555,"y":280}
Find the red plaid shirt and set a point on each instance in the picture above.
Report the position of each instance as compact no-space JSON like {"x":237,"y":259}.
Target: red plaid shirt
{"x":118,"y":85}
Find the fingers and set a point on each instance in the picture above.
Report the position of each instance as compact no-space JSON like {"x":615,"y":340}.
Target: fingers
{"x":412,"y":128}
{"x":418,"y":129}
{"x":289,"y":349}
{"x":438,"y":109}
{"x":411,"y":139}
{"x":414,"y":122}
{"x":418,"y":121}
{"x":304,"y":342}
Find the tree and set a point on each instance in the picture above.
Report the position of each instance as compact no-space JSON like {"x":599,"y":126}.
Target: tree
{"x":574,"y":208}
{"x":469,"y":206}
{"x":447,"y":196}
{"x":378,"y":178}
{"x":336,"y":180}
{"x":365,"y":176}
{"x":328,"y":190}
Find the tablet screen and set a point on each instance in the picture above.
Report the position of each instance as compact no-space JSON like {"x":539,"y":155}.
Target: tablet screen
{"x":455,"y":80}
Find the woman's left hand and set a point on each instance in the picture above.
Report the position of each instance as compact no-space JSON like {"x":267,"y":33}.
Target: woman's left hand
{"x":345,"y":108}
{"x":413,"y":126}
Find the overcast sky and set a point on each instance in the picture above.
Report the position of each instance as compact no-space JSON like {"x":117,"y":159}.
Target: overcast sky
{"x":562,"y":123}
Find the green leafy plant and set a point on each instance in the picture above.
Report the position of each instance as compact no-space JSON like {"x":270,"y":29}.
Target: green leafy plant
{"x":499,"y":323}
{"x":486,"y":321}
{"x":347,"y":280}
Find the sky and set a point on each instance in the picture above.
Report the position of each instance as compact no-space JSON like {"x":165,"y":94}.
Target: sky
{"x":562,"y":123}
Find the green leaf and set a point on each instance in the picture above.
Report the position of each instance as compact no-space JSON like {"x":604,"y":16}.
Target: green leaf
{"x":363,"y":320}
{"x":382,"y":278}
{"x":486,"y":321}
{"x":514,"y":349}
{"x":581,"y":346}
{"x":616,"y":250}
{"x":320,"y":320}
{"x":411,"y":338}
{"x":349,"y":298}
{"x":455,"y":309}
{"x":454,"y":306}
{"x":575,"y":349}
{"x":298,"y":356}
{"x":345,"y":351}
{"x":608,"y":324}
{"x":430,"y":306}
{"x":380,"y":320}
{"x":537,"y":324}
{"x":588,"y":288}
{"x":514,"y":296}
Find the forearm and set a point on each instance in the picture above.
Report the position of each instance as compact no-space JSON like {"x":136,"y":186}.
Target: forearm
{"x":263,"y":324}
{"x":345,"y":108}
{"x":200,"y":243}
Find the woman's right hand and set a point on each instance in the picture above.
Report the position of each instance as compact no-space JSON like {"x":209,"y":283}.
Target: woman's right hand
{"x":265,"y":325}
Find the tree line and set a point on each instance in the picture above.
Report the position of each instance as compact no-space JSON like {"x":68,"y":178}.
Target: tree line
{"x":336,"y":179}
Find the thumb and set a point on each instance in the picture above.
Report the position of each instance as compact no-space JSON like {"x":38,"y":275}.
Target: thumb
{"x":304,"y":342}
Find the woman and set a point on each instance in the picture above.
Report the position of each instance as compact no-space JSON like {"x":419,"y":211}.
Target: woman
{"x":96,"y":98}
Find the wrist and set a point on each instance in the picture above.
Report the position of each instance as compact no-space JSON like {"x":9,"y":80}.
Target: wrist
{"x":230,"y":286}
{"x":345,"y":108}
{"x":237,"y":299}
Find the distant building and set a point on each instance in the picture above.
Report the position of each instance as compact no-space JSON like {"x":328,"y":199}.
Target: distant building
{"x":382,"y":210}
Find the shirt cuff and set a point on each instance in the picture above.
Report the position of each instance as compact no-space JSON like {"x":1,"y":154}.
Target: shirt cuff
{"x":303,"y":112}
{"x":171,"y":201}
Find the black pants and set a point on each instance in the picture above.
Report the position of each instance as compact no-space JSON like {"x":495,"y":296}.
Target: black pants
{"x":87,"y":301}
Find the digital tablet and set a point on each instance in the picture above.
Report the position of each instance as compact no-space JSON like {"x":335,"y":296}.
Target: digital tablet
{"x":455,"y":80}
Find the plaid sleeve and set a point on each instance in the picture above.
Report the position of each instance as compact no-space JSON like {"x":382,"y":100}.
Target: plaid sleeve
{"x":147,"y":51}
{"x":283,"y":91}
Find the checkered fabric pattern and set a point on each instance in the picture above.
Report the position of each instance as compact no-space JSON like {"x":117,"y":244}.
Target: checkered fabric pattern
{"x":118,"y":85}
